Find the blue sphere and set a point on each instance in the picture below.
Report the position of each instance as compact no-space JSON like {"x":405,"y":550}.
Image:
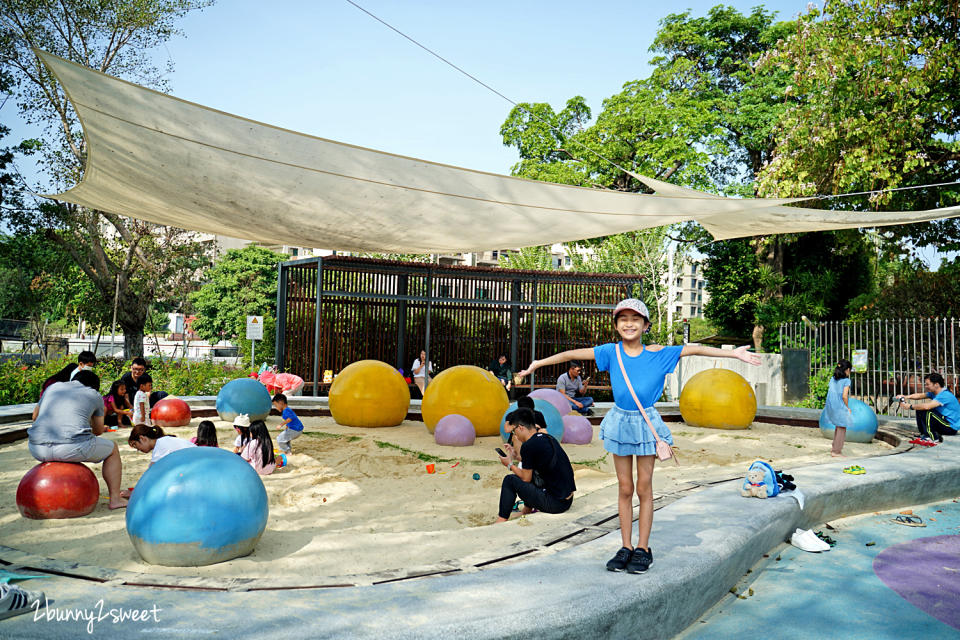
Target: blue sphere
{"x":550,"y":414}
{"x":864,"y":425}
{"x":243,"y":395}
{"x":195,"y":507}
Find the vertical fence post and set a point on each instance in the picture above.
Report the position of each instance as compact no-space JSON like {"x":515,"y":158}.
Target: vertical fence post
{"x":533,"y":332}
{"x":316,"y":329}
{"x":279,"y":349}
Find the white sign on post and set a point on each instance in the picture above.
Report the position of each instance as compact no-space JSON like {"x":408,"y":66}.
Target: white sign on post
{"x":254,"y":332}
{"x":254,"y":327}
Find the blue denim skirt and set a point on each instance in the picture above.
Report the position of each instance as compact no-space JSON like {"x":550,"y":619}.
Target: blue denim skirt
{"x":625,"y":433}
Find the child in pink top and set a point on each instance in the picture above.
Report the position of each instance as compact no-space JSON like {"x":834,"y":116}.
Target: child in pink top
{"x":258,"y":451}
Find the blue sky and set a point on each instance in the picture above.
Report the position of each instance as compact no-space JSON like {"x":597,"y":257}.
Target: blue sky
{"x":327,"y":69}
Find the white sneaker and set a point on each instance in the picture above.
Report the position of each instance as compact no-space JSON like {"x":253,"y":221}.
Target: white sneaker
{"x":15,"y":600}
{"x":808,"y":541}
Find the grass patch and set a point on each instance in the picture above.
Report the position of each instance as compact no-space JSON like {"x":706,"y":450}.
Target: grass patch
{"x":425,"y":457}
{"x":593,"y":464}
{"x":324,"y":434}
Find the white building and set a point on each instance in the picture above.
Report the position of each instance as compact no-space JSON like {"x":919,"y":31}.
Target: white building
{"x":687,"y":293}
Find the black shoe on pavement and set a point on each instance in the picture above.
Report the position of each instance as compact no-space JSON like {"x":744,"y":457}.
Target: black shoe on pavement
{"x":619,"y":561}
{"x":640,"y":561}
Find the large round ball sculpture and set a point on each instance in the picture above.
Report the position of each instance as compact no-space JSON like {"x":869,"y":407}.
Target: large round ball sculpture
{"x":454,"y":431}
{"x":864,"y":425}
{"x":369,"y":393}
{"x":554,"y":397}
{"x":576,"y":430}
{"x":243,"y":395}
{"x":718,"y":399}
{"x":171,"y":412}
{"x":551,"y":416}
{"x":195,"y":507}
{"x":57,"y":490}
{"x":468,"y":391}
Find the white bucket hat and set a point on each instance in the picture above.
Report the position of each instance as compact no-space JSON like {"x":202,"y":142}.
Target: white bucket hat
{"x":242,"y":420}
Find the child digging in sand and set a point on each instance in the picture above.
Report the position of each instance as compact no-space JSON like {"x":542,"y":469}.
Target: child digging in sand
{"x":624,"y":430}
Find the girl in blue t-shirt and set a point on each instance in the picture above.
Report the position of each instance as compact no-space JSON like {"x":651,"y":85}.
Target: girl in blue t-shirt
{"x":624,"y":431}
{"x":837,"y":409}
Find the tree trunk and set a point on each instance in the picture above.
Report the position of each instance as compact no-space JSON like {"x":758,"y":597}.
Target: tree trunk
{"x":770,"y":254}
{"x":132,"y":340}
{"x":758,"y":338}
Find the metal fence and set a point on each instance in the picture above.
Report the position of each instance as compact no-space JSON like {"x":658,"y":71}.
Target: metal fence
{"x":336,"y":310}
{"x":899,"y":353}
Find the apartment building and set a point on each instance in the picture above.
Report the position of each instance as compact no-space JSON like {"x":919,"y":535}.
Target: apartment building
{"x":687,"y":293}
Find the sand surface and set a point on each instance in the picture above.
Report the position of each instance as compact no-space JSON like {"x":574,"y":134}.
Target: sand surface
{"x":358,"y":501}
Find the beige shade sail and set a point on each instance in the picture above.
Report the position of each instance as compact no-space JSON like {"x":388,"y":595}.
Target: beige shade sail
{"x":157,"y":158}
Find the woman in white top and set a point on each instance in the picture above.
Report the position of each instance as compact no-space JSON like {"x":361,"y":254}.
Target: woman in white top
{"x":421,"y":370}
{"x":149,"y":439}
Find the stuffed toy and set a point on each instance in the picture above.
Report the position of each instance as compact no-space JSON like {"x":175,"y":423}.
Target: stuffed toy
{"x":755,"y":487}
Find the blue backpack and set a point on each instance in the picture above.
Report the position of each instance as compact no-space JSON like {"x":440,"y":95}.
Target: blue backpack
{"x":769,"y":477}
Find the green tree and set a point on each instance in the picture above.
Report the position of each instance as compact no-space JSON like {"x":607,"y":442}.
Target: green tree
{"x":242,"y":283}
{"x":646,"y":253}
{"x":150,"y":262}
{"x":705,"y":118}
{"x":528,"y":258}
{"x":822,"y":273}
{"x":874,"y":104}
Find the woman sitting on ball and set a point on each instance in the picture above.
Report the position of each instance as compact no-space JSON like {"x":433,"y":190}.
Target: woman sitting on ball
{"x":149,"y":439}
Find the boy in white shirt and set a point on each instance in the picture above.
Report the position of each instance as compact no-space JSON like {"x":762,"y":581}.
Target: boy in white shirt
{"x":141,"y":402}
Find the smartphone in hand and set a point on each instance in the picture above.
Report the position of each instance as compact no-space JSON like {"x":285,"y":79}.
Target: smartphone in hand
{"x":500,"y":452}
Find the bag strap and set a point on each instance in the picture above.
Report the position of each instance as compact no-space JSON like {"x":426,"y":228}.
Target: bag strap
{"x":633,"y":393}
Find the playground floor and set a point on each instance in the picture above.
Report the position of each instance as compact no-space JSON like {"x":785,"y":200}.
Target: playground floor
{"x":881,"y":580}
{"x":358,"y":506}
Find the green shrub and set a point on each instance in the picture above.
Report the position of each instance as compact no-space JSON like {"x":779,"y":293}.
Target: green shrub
{"x":20,"y":383}
{"x":817,"y":396}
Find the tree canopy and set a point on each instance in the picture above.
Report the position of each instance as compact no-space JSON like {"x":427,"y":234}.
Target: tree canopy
{"x":242,"y":283}
{"x":150,"y":262}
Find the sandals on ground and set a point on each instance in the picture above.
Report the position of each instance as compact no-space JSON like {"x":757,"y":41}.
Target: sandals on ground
{"x":855,"y":470}
{"x":830,"y":541}
{"x":910,"y":521}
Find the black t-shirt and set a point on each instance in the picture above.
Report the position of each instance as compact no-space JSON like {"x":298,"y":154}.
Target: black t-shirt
{"x":538,"y":453}
{"x":132,"y":387}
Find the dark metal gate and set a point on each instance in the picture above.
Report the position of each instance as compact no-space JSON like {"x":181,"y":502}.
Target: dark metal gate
{"x":336,"y":310}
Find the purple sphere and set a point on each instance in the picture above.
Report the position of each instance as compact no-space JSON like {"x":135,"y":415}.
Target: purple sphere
{"x":554,"y":397}
{"x":577,"y":430}
{"x":454,"y":430}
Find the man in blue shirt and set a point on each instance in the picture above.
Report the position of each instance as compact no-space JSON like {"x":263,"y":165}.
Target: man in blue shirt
{"x":572,"y":386}
{"x":939,"y":415}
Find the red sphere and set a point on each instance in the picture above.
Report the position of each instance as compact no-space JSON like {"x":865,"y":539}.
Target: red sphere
{"x":171,"y":412}
{"x":57,"y":490}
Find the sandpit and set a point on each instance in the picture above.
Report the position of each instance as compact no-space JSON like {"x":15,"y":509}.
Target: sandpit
{"x":359,"y":501}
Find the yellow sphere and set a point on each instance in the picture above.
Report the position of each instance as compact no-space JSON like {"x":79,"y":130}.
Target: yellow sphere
{"x":719,"y":399}
{"x":469,"y":391}
{"x":369,"y":393}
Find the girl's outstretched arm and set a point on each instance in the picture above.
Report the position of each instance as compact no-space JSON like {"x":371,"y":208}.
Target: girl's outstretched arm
{"x":564,"y":356}
{"x":740,"y":353}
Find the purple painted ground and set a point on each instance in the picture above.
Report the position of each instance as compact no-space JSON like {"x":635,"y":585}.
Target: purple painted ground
{"x":925,"y":573}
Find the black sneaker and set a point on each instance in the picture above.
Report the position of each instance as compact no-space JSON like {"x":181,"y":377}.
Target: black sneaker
{"x":589,"y":412}
{"x":619,"y":561}
{"x":640,"y":561}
